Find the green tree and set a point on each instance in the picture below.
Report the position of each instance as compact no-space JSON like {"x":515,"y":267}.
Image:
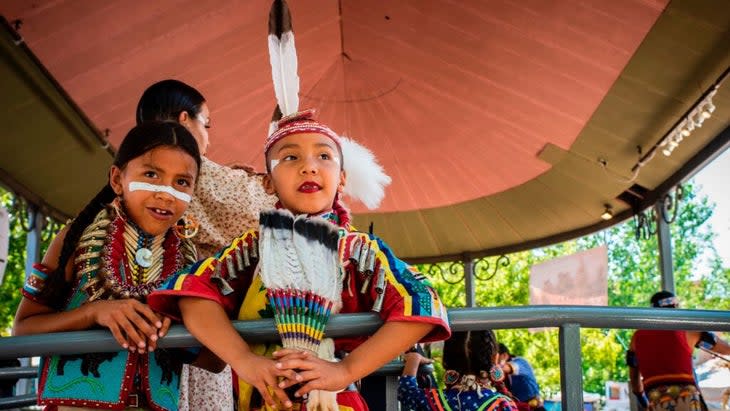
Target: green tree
{"x":15,"y":270}
{"x":633,"y":277}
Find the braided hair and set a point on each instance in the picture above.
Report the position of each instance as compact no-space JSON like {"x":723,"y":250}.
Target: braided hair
{"x":140,"y":140}
{"x":470,"y":352}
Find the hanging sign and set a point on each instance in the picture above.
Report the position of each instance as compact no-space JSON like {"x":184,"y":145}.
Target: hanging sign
{"x":578,"y":279}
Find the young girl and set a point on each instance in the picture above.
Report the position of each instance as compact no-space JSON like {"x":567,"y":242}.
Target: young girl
{"x":100,"y":268}
{"x":305,"y":170}
{"x":470,"y":360}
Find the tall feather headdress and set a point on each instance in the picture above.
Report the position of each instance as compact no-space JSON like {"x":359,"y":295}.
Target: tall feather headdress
{"x":366,"y":179}
{"x":283,"y":58}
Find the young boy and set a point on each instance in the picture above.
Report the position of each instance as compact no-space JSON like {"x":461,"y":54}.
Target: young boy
{"x":307,"y":172}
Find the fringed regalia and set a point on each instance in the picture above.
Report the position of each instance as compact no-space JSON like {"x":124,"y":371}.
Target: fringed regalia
{"x":106,"y":267}
{"x":371,"y":278}
{"x":665,"y":363}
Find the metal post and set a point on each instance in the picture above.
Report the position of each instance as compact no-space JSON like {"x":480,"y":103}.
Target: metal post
{"x":391,"y":393}
{"x":571,"y":371}
{"x":664,"y":241}
{"x":32,"y":256}
{"x":469,"y":282}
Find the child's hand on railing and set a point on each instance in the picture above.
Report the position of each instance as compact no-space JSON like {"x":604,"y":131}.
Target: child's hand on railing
{"x":161,"y":332}
{"x":133,"y":324}
{"x":263,"y":374}
{"x":412,"y":360}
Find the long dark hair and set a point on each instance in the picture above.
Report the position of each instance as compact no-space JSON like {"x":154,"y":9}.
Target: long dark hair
{"x":166,"y":99}
{"x":139,"y":140}
{"x":470,"y":352}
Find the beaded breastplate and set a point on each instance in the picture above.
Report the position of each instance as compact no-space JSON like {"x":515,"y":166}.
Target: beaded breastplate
{"x":122,"y":261}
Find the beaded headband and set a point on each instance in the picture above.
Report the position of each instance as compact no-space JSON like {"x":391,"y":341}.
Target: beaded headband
{"x":668,"y":302}
{"x":300,"y":122}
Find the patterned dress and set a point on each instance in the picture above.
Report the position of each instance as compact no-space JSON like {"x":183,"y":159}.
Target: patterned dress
{"x":374,"y":280}
{"x":226,"y":203}
{"x":414,"y":398}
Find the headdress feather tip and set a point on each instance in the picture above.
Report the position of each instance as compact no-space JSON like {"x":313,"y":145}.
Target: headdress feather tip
{"x":283,"y":58}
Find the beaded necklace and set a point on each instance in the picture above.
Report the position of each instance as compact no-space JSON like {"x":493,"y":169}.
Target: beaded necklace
{"x":331,"y":216}
{"x":147,"y":250}
{"x":111,"y":255}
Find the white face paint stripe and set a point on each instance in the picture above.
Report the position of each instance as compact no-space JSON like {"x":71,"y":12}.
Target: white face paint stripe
{"x":138,"y":185}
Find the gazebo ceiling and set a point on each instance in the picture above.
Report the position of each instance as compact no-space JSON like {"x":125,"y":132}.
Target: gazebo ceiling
{"x":491,"y":116}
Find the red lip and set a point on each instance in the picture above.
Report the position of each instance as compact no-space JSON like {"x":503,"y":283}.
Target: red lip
{"x":309,"y":187}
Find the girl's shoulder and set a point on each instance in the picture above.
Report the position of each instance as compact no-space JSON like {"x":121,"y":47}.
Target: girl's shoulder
{"x":50,"y":259}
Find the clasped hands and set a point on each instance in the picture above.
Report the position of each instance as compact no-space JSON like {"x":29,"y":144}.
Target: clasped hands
{"x":289,"y":367}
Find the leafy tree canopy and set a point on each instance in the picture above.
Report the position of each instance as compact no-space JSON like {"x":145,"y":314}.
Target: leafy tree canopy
{"x":633,"y":277}
{"x":15,"y":269}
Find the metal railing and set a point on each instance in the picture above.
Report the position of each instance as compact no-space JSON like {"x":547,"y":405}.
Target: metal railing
{"x":569,"y":320}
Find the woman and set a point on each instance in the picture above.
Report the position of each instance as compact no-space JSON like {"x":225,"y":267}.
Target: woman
{"x":226,"y":203}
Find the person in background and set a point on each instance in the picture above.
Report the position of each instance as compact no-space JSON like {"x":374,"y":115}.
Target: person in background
{"x":660,"y":363}
{"x":521,"y":381}
{"x":473,"y":379}
{"x":227,"y":200}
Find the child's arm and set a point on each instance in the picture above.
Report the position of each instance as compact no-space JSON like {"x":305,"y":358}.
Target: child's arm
{"x":387,"y":343}
{"x":130,"y":321}
{"x":208,"y":323}
{"x":410,"y":395}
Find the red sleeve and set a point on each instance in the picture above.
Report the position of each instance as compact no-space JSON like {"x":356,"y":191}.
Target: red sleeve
{"x":223,"y":278}
{"x":378,"y":281}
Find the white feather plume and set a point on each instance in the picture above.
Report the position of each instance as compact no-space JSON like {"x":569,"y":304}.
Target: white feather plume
{"x":280,"y":266}
{"x":366,"y":179}
{"x":324,"y":400}
{"x":283,"y":56}
{"x":315,"y":241}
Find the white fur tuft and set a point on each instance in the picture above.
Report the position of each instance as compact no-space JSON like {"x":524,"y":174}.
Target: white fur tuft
{"x":366,"y":179}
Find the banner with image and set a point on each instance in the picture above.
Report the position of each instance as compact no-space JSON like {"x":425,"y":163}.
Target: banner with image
{"x":578,"y":279}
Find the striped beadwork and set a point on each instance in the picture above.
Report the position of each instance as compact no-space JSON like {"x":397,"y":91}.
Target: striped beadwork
{"x":301,"y":317}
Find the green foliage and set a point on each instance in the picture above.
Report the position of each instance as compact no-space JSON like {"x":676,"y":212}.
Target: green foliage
{"x":15,"y":270}
{"x":632,"y":278}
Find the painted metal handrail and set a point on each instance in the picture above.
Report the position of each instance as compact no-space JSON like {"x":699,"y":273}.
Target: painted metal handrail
{"x":569,"y":319}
